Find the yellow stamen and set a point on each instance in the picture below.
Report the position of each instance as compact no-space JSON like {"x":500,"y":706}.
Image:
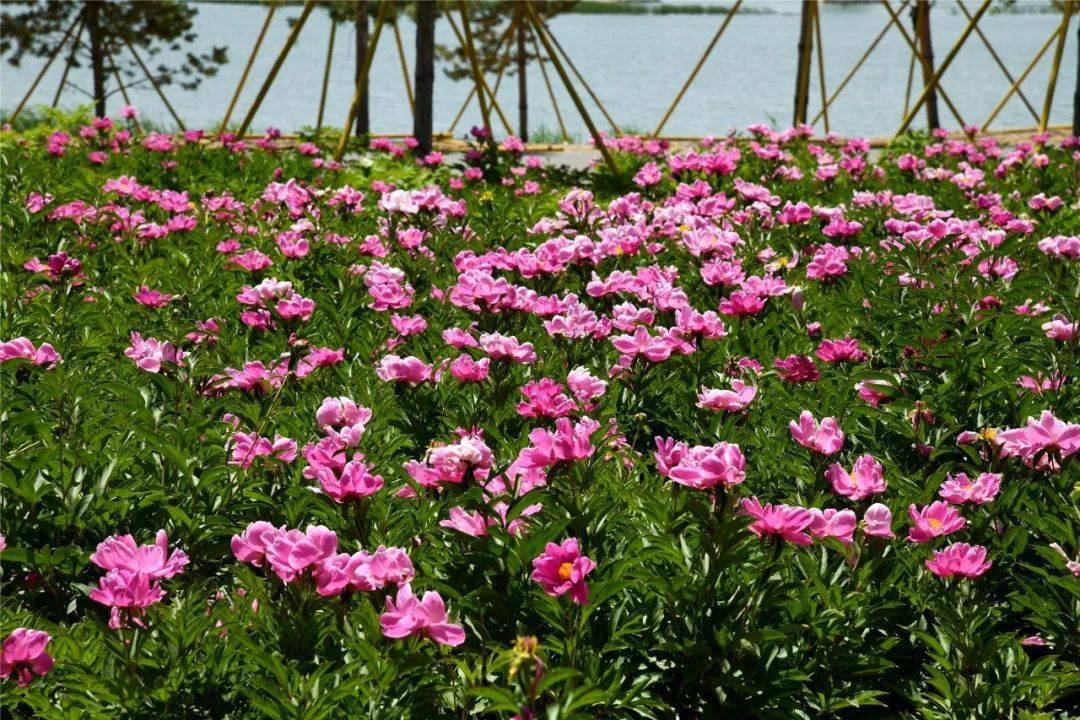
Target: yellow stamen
{"x":564,"y":570}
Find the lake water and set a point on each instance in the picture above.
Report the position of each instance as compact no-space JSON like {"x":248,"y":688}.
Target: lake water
{"x":635,"y":63}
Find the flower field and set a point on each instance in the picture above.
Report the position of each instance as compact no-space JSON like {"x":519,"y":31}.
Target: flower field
{"x":776,"y":427}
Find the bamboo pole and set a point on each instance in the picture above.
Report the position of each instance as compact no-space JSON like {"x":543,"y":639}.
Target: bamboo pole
{"x":944,"y":66}
{"x":404,"y":66}
{"x":59,"y":47}
{"x":551,"y":91}
{"x":1055,"y":66}
{"x":821,"y":63}
{"x":921,"y":16}
{"x":276,"y":67}
{"x":858,"y":65}
{"x":123,"y":90}
{"x":76,"y":41}
{"x":150,"y":77}
{"x":478,"y":74}
{"x":913,"y":44}
{"x":548,"y":46}
{"x":998,"y":60}
{"x":361,"y":80}
{"x":573,"y":68}
{"x":326,"y":77}
{"x":1023,"y":76}
{"x":697,"y":68}
{"x":247,"y":68}
{"x":472,"y":90}
{"x":802,"y":68}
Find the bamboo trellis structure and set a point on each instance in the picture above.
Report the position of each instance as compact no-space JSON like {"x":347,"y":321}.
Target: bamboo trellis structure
{"x":526,"y":24}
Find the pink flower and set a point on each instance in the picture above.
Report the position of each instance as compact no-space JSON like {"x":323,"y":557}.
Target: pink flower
{"x":567,"y":444}
{"x":741,"y":303}
{"x":407,"y":615}
{"x":734,"y":400}
{"x":152,"y":298}
{"x":23,"y":653}
{"x":797,"y":369}
{"x":783,"y":521}
{"x":839,"y":524}
{"x":153,"y":355}
{"x":21,"y":348}
{"x":342,"y":412}
{"x":934,"y":520}
{"x":704,"y":467}
{"x":865,"y":479}
{"x":959,"y":488}
{"x":1041,"y":438}
{"x":354,"y":481}
{"x":959,"y":559}
{"x":128,"y":593}
{"x":825,"y":438}
{"x":411,"y":370}
{"x":838,"y":351}
{"x":120,"y":552}
{"x":585,"y":386}
{"x":544,"y":398}
{"x":877,"y":521}
{"x":1061,"y":329}
{"x":562,"y":569}
{"x":251,"y":545}
{"x":295,"y":307}
{"x":291,"y":552}
{"x":246,"y":447}
{"x":465,"y":369}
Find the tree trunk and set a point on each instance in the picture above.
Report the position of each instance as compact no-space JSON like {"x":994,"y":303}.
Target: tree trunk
{"x":363,"y":119}
{"x":424,"y":75}
{"x":920,"y":15}
{"x":97,"y":54}
{"x":523,"y":97}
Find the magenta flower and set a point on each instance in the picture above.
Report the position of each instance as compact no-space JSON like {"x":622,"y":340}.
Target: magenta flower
{"x":246,"y":447}
{"x":411,"y":370}
{"x":340,"y":412}
{"x":567,"y":444}
{"x":21,"y":348}
{"x":782,"y":521}
{"x":465,"y":369}
{"x":865,"y":479}
{"x":734,"y":400}
{"x":839,"y":524}
{"x":562,"y":569}
{"x":355,"y":481}
{"x":152,"y":298}
{"x":934,"y":520}
{"x":877,"y":521}
{"x":120,"y":552}
{"x":407,"y":615}
{"x":292,"y":552}
{"x":251,"y":545}
{"x":1060,"y":328}
{"x":959,"y":559}
{"x":741,"y":303}
{"x":826,"y":438}
{"x":797,"y":369}
{"x":128,"y":593}
{"x":703,"y":467}
{"x":958,"y":489}
{"x":23,"y":653}
{"x":840,"y":351}
{"x":153,"y":355}
{"x":544,"y":398}
{"x":1039,"y":440}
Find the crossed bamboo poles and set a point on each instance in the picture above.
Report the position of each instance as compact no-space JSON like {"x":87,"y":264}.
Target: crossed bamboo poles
{"x":540,"y":34}
{"x":74,"y":36}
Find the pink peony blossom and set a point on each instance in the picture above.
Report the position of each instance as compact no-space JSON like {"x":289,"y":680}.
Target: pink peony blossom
{"x":734,"y":400}
{"x":877,"y":521}
{"x":865,"y":479}
{"x":839,"y":524}
{"x":23,"y":654}
{"x":825,"y":438}
{"x":562,"y":569}
{"x":935,"y":520}
{"x":407,"y":615}
{"x":958,"y":488}
{"x":782,"y":521}
{"x":959,"y":559}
